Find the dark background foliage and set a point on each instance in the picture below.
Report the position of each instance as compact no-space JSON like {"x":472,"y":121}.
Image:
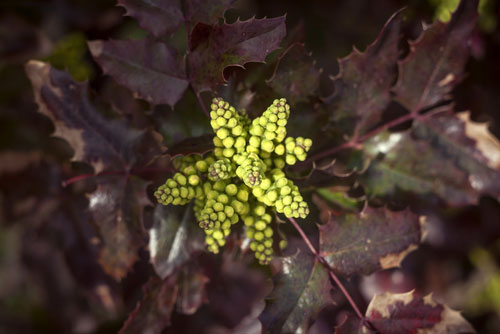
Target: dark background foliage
{"x":54,"y":277}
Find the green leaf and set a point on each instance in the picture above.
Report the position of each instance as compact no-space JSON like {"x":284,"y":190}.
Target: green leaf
{"x":150,"y":69}
{"x":436,"y":60}
{"x":362,"y":87}
{"x":374,"y":239}
{"x":301,"y":290}
{"x":174,"y":237}
{"x":391,"y":313}
{"x":153,"y":312}
{"x":295,"y":75}
{"x":213,"y":48}
{"x":114,"y":149}
{"x":447,"y":155}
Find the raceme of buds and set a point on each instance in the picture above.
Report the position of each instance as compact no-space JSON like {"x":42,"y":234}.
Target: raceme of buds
{"x":243,"y":178}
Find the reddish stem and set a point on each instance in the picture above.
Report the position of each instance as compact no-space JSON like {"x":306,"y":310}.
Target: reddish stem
{"x":356,"y":141}
{"x":330,"y":270}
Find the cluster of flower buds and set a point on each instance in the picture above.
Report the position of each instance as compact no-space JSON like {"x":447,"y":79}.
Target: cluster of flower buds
{"x":243,"y":178}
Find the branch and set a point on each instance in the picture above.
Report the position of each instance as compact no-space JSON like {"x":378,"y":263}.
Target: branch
{"x":357,"y":141}
{"x":332,"y":274}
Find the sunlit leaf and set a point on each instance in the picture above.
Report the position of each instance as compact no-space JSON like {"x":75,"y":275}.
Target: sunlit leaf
{"x":174,"y":237}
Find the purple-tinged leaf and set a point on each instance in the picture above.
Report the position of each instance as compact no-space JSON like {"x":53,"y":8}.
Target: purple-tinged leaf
{"x":102,"y":143}
{"x":362,"y":87}
{"x":208,"y":12}
{"x":235,"y":292}
{"x":113,"y":149}
{"x":216,"y":47}
{"x":406,"y":313}
{"x":447,"y":155}
{"x":153,"y":312}
{"x":192,"y":293}
{"x":436,"y":60}
{"x":374,"y":239}
{"x":295,"y":75}
{"x":158,"y":16}
{"x":163,"y":17}
{"x":116,"y":207}
{"x":301,"y":290}
{"x":174,"y":237}
{"x":150,"y":69}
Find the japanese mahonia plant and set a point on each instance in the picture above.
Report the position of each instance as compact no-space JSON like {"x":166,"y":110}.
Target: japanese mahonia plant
{"x":243,"y":178}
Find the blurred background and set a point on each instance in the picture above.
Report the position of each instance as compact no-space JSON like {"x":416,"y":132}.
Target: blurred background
{"x":49,"y":279}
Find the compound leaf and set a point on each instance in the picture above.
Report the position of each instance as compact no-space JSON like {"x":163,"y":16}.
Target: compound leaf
{"x":114,"y":150}
{"x":436,"y":60}
{"x":374,"y":239}
{"x":150,"y":69}
{"x":216,"y":47}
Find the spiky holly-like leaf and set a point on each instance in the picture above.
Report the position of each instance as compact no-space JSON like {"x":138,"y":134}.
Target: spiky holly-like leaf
{"x":150,"y":69}
{"x":216,"y":47}
{"x":362,"y":87}
{"x":112,"y":148}
{"x":295,"y":75}
{"x":206,"y":11}
{"x":407,"y":313}
{"x":301,"y":290}
{"x":166,"y":16}
{"x":436,"y":60}
{"x":447,"y":155}
{"x":174,"y":237}
{"x":158,"y":16}
{"x":153,"y":312}
{"x":192,"y":283}
{"x":374,"y":239}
